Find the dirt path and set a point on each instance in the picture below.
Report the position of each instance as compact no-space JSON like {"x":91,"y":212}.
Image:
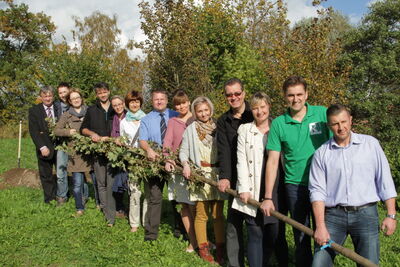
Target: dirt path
{"x":20,"y":177}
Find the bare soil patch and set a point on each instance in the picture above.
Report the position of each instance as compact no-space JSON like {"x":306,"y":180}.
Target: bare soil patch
{"x":20,"y":177}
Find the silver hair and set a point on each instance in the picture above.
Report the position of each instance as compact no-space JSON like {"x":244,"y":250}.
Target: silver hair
{"x":201,"y":100}
{"x":46,"y":89}
{"x":117,"y":97}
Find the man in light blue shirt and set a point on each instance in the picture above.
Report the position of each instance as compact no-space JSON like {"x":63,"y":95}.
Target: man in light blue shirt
{"x":348,"y":175}
{"x":152,"y":129}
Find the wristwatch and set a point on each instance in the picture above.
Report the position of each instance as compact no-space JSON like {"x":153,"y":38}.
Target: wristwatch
{"x":391,"y":216}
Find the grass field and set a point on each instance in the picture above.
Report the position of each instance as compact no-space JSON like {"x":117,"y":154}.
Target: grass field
{"x":9,"y":154}
{"x":35,"y":234}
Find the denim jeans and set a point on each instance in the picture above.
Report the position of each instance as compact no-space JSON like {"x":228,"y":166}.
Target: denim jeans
{"x":298,"y":202}
{"x":96,"y":192}
{"x":80,"y":190}
{"x":362,"y":226}
{"x":62,"y":175}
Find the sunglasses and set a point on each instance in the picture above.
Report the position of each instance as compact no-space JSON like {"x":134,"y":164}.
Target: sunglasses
{"x":237,"y":94}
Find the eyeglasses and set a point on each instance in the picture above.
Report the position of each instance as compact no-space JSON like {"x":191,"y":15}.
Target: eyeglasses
{"x":237,"y":94}
{"x":117,"y":105}
{"x":75,"y":98}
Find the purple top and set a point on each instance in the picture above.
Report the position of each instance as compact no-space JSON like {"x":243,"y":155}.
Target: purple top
{"x":174,"y":134}
{"x":115,"y":125}
{"x":354,"y":175}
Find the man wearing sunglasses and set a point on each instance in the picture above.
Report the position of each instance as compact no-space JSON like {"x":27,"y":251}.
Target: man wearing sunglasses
{"x":227,"y":127}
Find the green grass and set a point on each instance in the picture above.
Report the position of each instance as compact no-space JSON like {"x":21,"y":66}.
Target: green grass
{"x":35,"y":234}
{"x":9,"y":154}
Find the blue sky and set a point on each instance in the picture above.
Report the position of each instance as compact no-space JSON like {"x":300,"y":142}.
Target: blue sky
{"x":354,"y":9}
{"x":127,"y":11}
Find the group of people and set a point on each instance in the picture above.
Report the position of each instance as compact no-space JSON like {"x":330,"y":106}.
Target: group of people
{"x":307,"y":162}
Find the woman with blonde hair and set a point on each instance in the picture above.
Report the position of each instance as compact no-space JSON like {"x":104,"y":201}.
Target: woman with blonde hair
{"x":200,"y":148}
{"x":265,"y":233}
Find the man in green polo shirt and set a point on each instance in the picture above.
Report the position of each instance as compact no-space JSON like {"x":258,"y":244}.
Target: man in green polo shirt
{"x":297,"y":134}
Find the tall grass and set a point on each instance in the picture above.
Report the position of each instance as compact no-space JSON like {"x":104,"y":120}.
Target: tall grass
{"x":11,"y":130}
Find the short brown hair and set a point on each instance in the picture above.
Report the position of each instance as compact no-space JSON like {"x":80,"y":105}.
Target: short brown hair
{"x":292,"y":81}
{"x":180,"y":97}
{"x":335,"y":109}
{"x":133,"y":95}
{"x":75,"y":90}
{"x":101,"y":85}
{"x":63,"y":84}
{"x":233,"y":81}
{"x":161,"y":91}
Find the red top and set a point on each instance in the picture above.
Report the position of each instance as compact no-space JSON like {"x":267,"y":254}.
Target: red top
{"x":174,"y":134}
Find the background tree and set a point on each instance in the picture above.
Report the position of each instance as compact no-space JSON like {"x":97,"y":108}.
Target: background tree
{"x":97,"y":56}
{"x":24,"y":37}
{"x":373,"y":52}
{"x":307,"y":49}
{"x":197,"y":47}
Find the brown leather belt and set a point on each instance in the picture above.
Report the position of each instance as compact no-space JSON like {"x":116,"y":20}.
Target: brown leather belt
{"x":206,"y":164}
{"x":353,"y":208}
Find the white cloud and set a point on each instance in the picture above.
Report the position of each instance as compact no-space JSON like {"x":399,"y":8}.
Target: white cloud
{"x":299,"y":9}
{"x":372,"y":2}
{"x":62,"y":11}
{"x":355,"y":18}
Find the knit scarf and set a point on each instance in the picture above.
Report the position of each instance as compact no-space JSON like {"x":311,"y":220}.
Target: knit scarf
{"x":206,"y":131}
{"x":137,"y":116}
{"x":81,"y":114}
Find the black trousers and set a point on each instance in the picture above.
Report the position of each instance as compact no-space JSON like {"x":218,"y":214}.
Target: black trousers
{"x":153,"y":188}
{"x":263,"y":240}
{"x":234,"y":236}
{"x":47,"y":179}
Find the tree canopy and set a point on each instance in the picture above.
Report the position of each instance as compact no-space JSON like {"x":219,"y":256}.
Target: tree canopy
{"x":372,"y":50}
{"x":24,"y":36}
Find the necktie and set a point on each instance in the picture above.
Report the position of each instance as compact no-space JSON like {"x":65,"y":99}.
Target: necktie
{"x":163,"y":127}
{"x":49,"y":114}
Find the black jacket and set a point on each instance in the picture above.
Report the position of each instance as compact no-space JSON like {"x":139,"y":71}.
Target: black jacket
{"x":227,"y":127}
{"x":39,"y":129}
{"x":98,"y":120}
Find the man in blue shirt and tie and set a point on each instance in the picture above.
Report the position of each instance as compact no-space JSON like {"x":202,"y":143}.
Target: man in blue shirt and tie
{"x":152,"y":129}
{"x":349,"y":174}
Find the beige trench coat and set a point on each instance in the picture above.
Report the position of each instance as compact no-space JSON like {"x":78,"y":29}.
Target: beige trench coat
{"x":67,"y":122}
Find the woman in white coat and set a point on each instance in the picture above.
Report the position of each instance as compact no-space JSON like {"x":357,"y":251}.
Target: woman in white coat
{"x":265,"y":234}
{"x":129,"y":128}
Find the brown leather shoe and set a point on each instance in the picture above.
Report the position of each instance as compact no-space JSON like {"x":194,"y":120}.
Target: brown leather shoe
{"x":204,"y":253}
{"x":219,"y":257}
{"x":61,"y":201}
{"x":79,"y":213}
{"x":120,"y":214}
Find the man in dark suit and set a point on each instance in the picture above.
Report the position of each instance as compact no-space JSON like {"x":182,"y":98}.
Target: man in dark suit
{"x":39,"y":131}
